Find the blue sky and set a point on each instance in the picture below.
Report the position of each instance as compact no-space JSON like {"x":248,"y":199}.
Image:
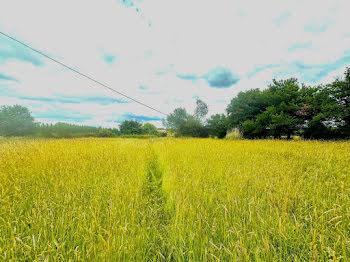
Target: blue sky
{"x":165,"y":53}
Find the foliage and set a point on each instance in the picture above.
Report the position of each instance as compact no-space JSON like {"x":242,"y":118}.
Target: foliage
{"x":175,"y":121}
{"x":16,"y":121}
{"x":246,"y":106}
{"x":217,"y":125}
{"x":65,"y":130}
{"x":251,"y":129}
{"x":201,"y":110}
{"x":340,"y":92}
{"x":130,"y":127}
{"x":134,"y":128}
{"x":149,"y":129}
{"x":316,"y":129}
{"x":184,"y":124}
{"x":105,"y":133}
{"x":193,"y":128}
{"x":285,"y":108}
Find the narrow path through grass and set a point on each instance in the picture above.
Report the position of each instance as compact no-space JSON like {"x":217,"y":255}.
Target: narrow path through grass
{"x":159,"y":213}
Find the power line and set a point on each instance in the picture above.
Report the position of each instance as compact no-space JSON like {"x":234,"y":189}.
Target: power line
{"x":81,"y":74}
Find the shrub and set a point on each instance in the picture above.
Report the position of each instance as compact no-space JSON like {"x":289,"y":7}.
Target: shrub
{"x":234,"y":134}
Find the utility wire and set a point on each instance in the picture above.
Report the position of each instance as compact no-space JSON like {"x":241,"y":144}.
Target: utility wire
{"x":81,"y":74}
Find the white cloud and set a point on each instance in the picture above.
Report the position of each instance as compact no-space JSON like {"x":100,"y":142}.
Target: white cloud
{"x":193,"y":36}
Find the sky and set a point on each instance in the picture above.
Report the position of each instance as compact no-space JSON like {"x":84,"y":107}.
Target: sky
{"x":164,"y":53}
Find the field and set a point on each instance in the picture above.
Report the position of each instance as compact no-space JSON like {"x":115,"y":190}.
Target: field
{"x":174,"y":199}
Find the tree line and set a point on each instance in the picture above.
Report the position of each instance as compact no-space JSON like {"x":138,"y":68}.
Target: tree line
{"x":17,"y":120}
{"x":284,"y":109}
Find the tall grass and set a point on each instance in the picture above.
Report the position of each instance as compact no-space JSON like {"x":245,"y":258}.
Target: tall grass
{"x":234,"y":134}
{"x":174,"y":199}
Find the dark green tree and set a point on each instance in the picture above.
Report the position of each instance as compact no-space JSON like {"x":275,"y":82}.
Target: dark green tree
{"x":130,"y":127}
{"x":217,"y":125}
{"x":317,"y":129}
{"x":193,"y":128}
{"x":340,"y":92}
{"x":246,"y":106}
{"x":272,"y":112}
{"x":251,"y":129}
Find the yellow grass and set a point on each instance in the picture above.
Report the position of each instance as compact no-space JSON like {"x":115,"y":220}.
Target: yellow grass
{"x":174,"y":199}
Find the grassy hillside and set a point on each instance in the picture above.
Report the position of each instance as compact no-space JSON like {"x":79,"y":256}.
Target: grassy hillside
{"x":174,"y":199}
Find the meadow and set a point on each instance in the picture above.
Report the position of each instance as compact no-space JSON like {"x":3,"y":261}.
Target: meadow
{"x":98,"y":199}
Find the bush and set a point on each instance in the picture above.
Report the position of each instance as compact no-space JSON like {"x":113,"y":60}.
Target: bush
{"x":105,"y":133}
{"x":234,"y":134}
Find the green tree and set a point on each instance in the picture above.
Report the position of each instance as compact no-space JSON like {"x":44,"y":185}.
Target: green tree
{"x":16,"y":121}
{"x":65,"y":130}
{"x":184,"y":124}
{"x":246,"y":106}
{"x":282,"y":124}
{"x":217,"y":125}
{"x":316,"y":128}
{"x":176,"y":120}
{"x":45,"y":130}
{"x":272,"y":112}
{"x":193,"y":128}
{"x":251,"y":129}
{"x":130,"y":127}
{"x":149,"y":129}
{"x":340,"y":91}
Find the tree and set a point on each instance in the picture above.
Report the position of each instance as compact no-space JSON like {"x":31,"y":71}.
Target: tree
{"x":246,"y":106}
{"x":16,"y":121}
{"x":65,"y":130}
{"x":217,"y":125}
{"x":282,"y":124}
{"x":340,"y":92}
{"x":193,"y":128}
{"x":283,"y":109}
{"x":251,"y":129}
{"x":201,"y":110}
{"x":149,"y":129}
{"x":184,"y":124}
{"x":130,"y":127}
{"x":276,"y":111}
{"x":176,"y":120}
{"x":316,"y":129}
